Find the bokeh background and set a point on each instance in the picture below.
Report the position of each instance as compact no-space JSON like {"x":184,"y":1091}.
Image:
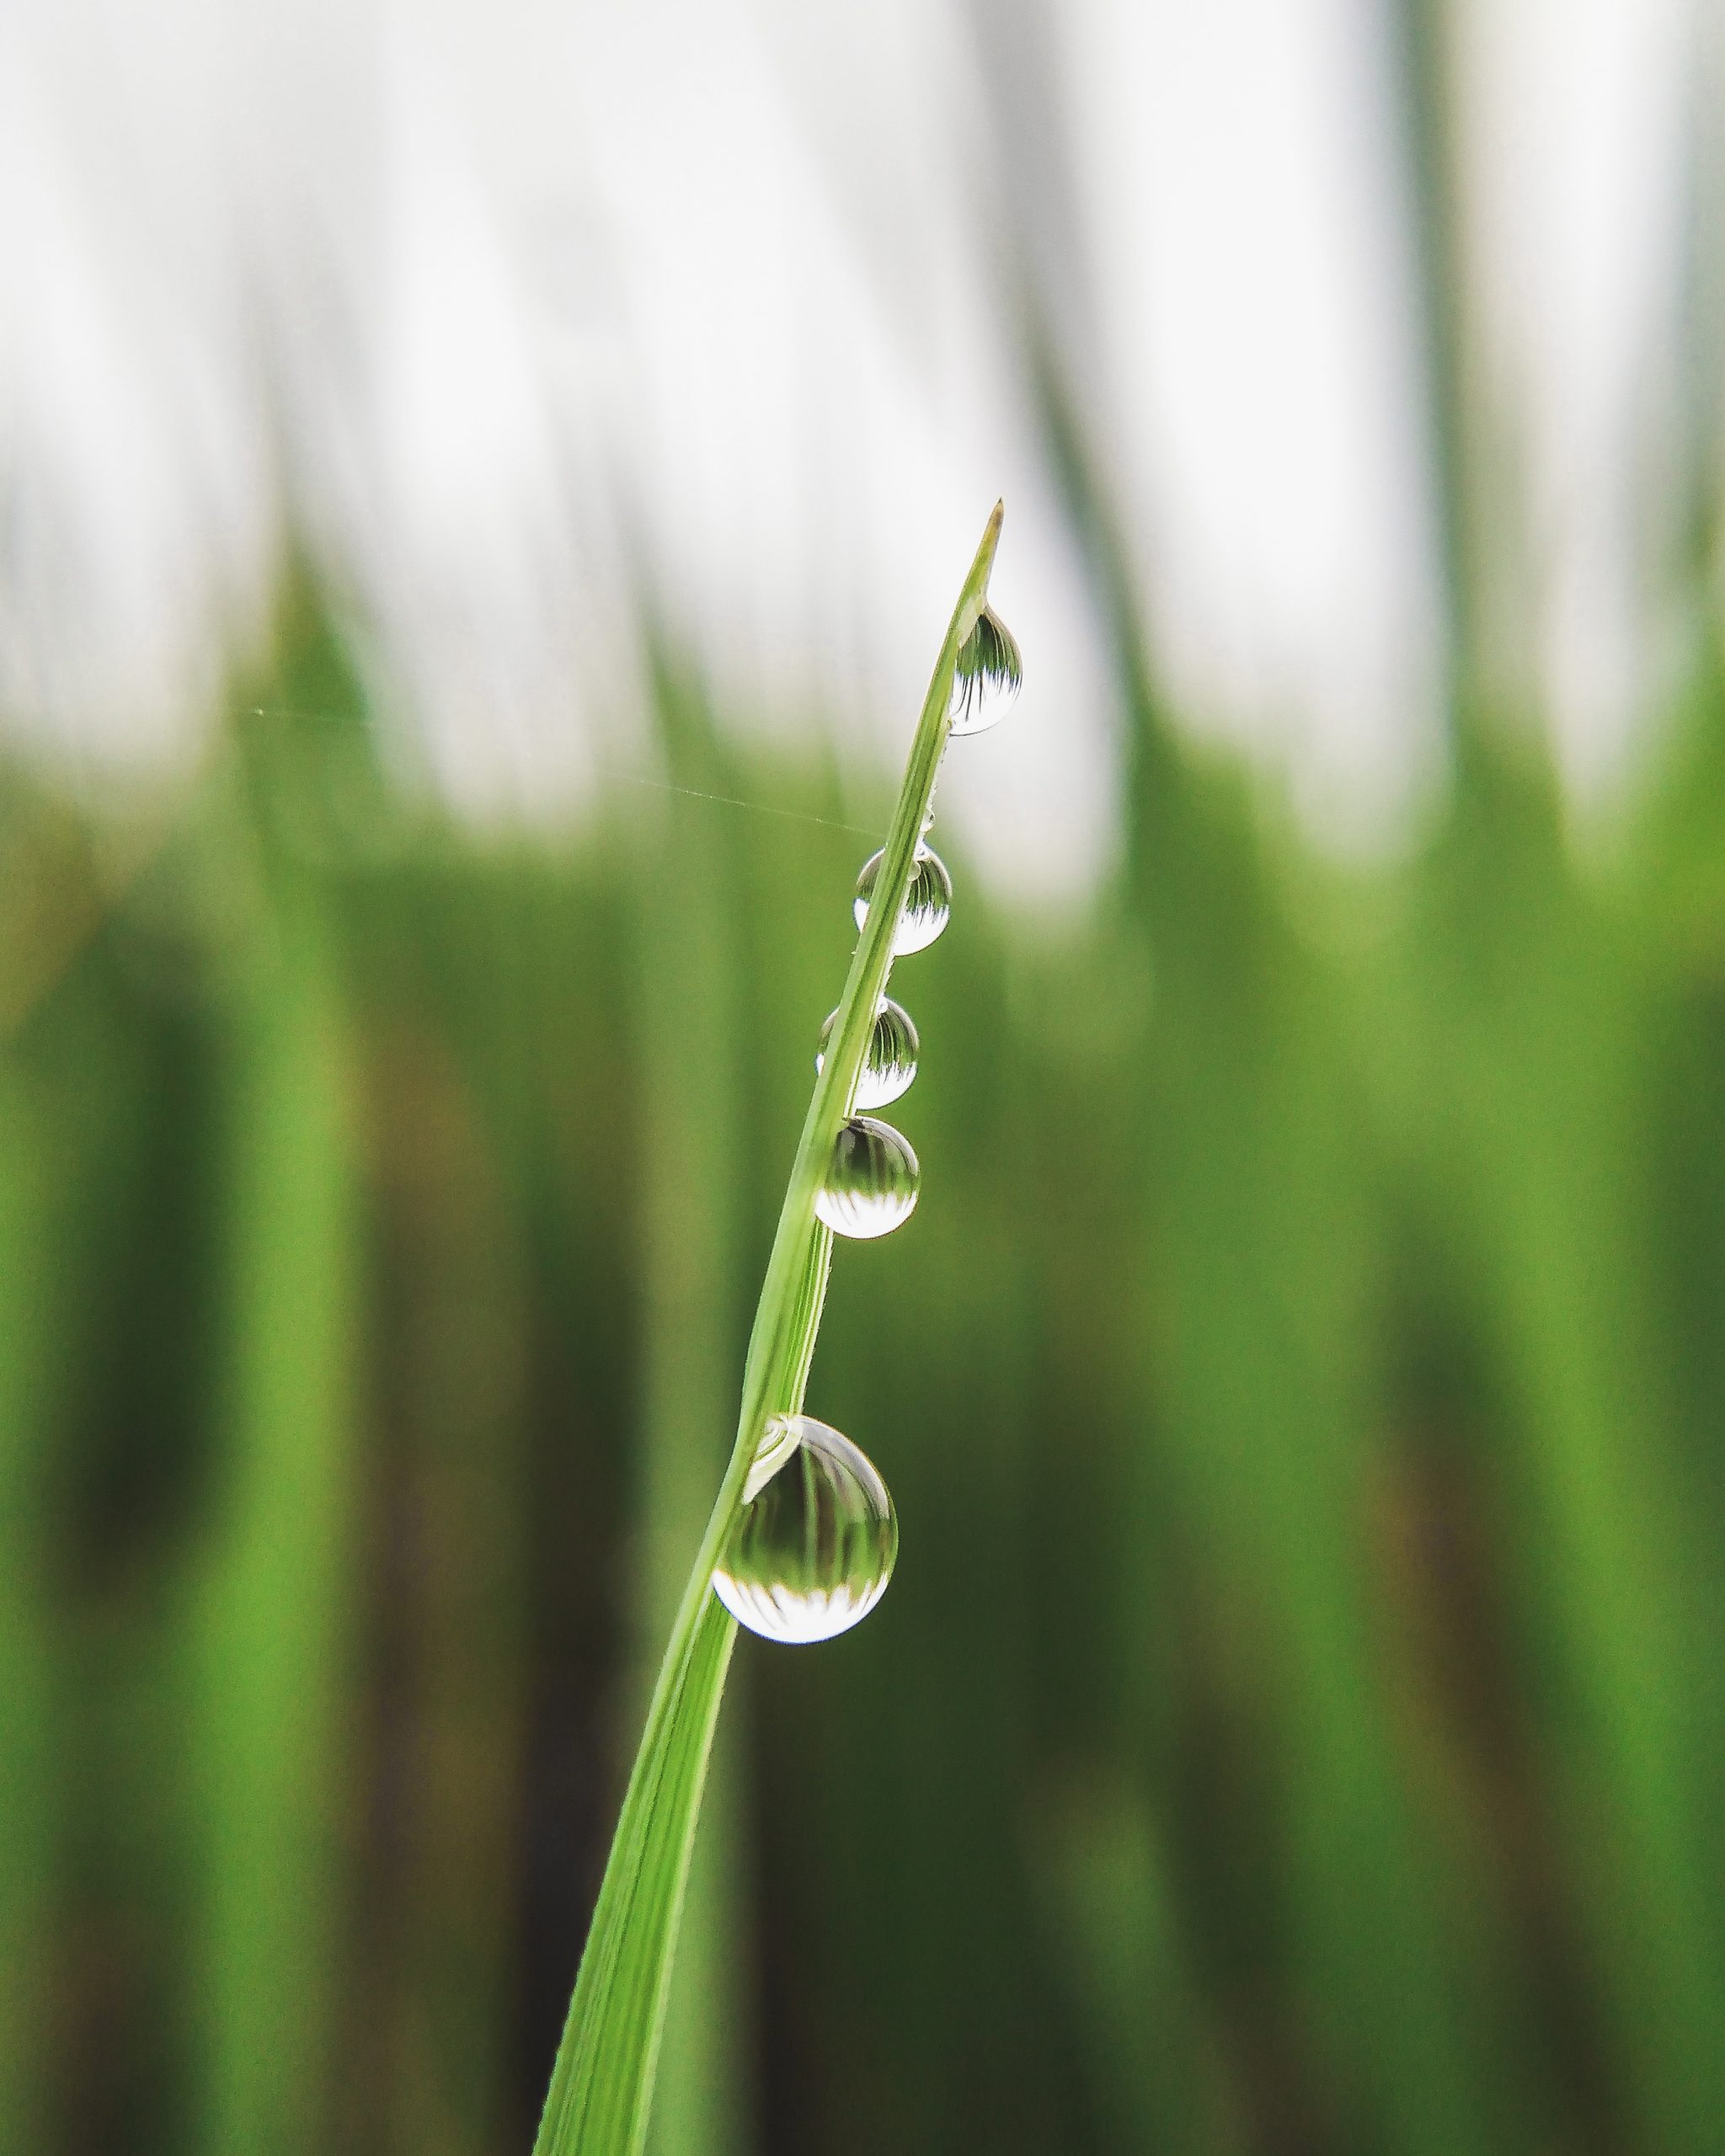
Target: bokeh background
{"x":480,"y":491}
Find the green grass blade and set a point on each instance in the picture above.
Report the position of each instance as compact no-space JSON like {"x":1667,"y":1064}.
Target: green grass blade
{"x":266,"y":1621}
{"x":29,"y":1757}
{"x":688,"y":979}
{"x":601,"y":2084}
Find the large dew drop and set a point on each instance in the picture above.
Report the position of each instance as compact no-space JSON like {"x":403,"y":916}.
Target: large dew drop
{"x":928,"y":904}
{"x":871,"y":1181}
{"x":986,"y":675}
{"x":889,"y":1063}
{"x":814,"y":1547}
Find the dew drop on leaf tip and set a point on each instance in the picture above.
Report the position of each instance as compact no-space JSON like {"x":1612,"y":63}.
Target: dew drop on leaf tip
{"x":871,"y":1181}
{"x":928,"y":902}
{"x":814,"y":1547}
{"x":888,"y":1063}
{"x":986,"y":675}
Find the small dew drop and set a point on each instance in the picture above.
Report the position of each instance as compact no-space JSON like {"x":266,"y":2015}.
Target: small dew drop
{"x":928,"y":904}
{"x":871,"y":1181}
{"x":814,"y":1547}
{"x":986,"y":675}
{"x":889,"y":1063}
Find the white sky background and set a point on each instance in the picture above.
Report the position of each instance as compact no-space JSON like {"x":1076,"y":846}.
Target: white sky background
{"x":505,"y":301}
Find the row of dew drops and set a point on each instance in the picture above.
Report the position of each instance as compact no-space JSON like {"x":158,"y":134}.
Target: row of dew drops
{"x":814,"y":1542}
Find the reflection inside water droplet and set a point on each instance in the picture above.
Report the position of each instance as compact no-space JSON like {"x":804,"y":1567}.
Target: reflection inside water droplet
{"x":871,"y":1181}
{"x":813,"y":1548}
{"x":889,"y":1062}
{"x":985,"y":676}
{"x":928,"y":904}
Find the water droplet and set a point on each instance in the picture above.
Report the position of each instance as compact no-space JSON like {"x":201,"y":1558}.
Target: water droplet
{"x":871,"y":1181}
{"x":889,"y":1063}
{"x":813,"y":1548}
{"x":928,"y":904}
{"x":986,"y":675}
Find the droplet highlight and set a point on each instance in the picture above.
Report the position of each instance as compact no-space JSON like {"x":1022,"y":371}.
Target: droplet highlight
{"x":986,"y":675}
{"x":928,"y":902}
{"x":814,"y":1547}
{"x":889,"y":1061}
{"x":871,"y":1181}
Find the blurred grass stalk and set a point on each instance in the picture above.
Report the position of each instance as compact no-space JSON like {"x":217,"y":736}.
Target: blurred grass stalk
{"x":273,"y":1586}
{"x":689,"y":970}
{"x":31,"y":1324}
{"x":273,"y":1596}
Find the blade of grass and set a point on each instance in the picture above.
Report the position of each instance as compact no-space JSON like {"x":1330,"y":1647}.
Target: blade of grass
{"x":267,"y":1621}
{"x":28,"y":1761}
{"x":601,"y":2084}
{"x":688,"y":973}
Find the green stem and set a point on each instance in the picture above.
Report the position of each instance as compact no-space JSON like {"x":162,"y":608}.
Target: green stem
{"x":601,"y":2083}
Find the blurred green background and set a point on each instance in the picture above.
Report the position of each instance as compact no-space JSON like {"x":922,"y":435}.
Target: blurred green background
{"x":1297,"y":1721}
